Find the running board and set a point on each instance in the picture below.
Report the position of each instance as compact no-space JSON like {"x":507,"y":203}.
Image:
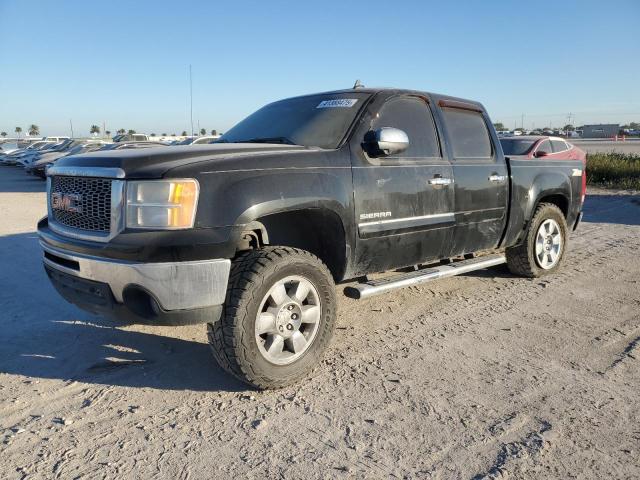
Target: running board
{"x":384,"y":285}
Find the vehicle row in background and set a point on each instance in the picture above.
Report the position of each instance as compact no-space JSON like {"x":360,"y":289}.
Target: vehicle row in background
{"x":36,"y":155}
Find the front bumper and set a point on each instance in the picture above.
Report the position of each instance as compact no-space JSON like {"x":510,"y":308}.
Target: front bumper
{"x":167,"y":293}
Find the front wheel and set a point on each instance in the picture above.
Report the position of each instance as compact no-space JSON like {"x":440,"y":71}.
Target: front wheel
{"x":278,"y":317}
{"x":544,"y":246}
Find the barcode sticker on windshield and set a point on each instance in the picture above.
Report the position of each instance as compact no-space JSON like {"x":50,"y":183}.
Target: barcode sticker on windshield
{"x":338,"y":103}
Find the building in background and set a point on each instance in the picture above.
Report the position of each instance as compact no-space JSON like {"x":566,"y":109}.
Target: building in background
{"x":601,"y":130}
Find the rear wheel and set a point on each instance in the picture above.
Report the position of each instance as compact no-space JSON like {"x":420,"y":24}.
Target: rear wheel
{"x":544,"y":246}
{"x":278,"y":317}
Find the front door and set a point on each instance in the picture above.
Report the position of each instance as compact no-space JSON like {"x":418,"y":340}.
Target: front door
{"x":404,"y":202}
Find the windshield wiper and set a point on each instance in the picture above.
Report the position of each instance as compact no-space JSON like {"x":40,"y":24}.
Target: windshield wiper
{"x":283,"y":140}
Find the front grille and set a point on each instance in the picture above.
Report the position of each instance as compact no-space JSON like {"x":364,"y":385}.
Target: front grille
{"x":92,"y":202}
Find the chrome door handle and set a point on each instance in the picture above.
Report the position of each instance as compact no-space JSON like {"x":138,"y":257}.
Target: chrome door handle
{"x":440,"y":181}
{"x":497,"y":178}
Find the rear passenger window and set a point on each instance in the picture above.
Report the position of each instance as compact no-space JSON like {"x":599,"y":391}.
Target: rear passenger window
{"x":558,"y":146}
{"x":468,"y":133}
{"x":413,"y":116}
{"x":545,"y":147}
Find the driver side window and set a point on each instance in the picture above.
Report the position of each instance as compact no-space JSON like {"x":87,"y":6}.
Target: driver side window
{"x":413,"y":116}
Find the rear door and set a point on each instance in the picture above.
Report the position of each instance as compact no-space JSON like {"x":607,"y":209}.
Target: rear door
{"x":481,"y":178}
{"x":404,"y":202}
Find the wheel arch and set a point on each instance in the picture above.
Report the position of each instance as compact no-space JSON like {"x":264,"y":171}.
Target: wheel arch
{"x":549,"y":187}
{"x":316,"y":227}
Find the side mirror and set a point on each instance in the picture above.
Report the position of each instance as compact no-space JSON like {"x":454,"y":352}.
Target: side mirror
{"x":541,"y":153}
{"x":387,"y":141}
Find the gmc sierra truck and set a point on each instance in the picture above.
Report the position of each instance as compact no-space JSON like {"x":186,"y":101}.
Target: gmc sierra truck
{"x":251,"y":234}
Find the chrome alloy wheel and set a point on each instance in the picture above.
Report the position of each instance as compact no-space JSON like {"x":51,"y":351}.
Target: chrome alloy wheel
{"x":288,"y":320}
{"x":548,"y":244}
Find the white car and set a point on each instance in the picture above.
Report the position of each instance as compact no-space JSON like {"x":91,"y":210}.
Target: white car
{"x":56,"y":139}
{"x":205,"y":139}
{"x":35,"y":148}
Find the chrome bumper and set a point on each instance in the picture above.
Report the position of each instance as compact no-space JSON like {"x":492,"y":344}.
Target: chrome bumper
{"x":175,"y":285}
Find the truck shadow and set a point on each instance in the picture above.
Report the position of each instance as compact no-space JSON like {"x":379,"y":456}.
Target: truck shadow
{"x":15,"y":180}
{"x":616,"y":209}
{"x":42,"y":336}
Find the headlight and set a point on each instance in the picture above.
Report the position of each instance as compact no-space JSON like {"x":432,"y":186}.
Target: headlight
{"x":164,"y":204}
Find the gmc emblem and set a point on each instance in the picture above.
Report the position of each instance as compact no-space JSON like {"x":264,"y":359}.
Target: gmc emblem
{"x":67,"y":202}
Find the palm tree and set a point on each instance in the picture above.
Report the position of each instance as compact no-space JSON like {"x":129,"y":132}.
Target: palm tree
{"x":153,"y":134}
{"x":4,"y":134}
{"x":94,"y":130}
{"x":214,"y":132}
{"x":164,"y":134}
{"x":121,"y":131}
{"x":18,"y":130}
{"x":184,"y":133}
{"x":131,"y":132}
{"x":203,"y":131}
{"x":107,"y":133}
{"x":34,"y":130}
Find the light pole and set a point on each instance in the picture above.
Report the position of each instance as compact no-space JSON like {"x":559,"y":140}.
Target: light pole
{"x":191,"y":97}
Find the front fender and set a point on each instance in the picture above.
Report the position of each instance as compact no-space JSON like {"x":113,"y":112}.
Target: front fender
{"x":241,"y":198}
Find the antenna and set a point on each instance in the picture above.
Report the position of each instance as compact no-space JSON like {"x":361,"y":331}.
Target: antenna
{"x":358,"y":85}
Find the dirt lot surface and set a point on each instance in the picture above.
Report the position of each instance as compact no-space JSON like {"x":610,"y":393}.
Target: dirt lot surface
{"x":481,"y":376}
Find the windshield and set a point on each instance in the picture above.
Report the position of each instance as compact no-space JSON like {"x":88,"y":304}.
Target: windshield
{"x":186,"y":141}
{"x":315,"y":120}
{"x":516,"y":146}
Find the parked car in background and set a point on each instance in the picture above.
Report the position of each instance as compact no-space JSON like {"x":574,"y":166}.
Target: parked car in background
{"x":8,"y":147}
{"x":14,"y":157}
{"x":186,"y":141}
{"x":56,"y":139}
{"x":131,"y":137}
{"x":538,"y":146}
{"x":14,"y":148}
{"x":128,"y":145}
{"x":62,"y":146}
{"x":205,"y":139}
{"x":39,"y":166}
{"x":197,"y":140}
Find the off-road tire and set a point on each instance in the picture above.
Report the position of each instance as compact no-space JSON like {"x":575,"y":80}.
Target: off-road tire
{"x":521,"y":258}
{"x":232,"y":337}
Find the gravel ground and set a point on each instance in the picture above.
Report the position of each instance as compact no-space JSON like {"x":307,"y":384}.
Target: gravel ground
{"x":480,"y":376}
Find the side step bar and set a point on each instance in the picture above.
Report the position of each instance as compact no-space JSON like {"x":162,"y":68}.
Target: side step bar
{"x":384,"y":285}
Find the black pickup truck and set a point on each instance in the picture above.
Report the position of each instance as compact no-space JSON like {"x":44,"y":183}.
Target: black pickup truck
{"x":250,"y":234}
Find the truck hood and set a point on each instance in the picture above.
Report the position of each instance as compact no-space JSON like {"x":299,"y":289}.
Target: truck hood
{"x":155,"y":162}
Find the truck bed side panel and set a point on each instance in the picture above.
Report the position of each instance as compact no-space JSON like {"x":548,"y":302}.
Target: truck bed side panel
{"x":533,"y":181}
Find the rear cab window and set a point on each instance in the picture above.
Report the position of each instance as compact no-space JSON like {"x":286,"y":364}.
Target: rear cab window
{"x":468,"y":134}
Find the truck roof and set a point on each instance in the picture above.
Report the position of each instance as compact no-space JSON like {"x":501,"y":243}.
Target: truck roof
{"x":392,"y":90}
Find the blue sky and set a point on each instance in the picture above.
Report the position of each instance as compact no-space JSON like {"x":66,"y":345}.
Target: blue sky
{"x":126,"y":62}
